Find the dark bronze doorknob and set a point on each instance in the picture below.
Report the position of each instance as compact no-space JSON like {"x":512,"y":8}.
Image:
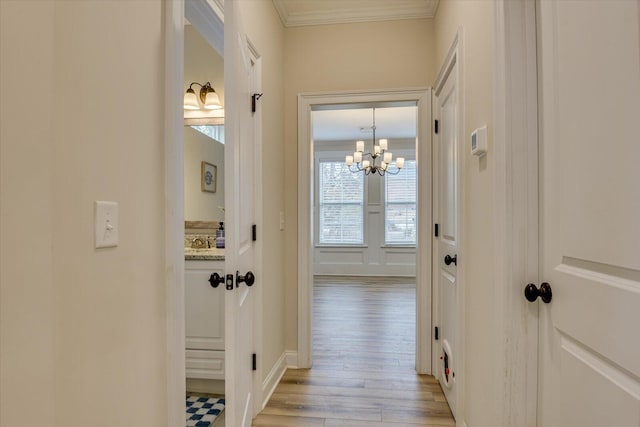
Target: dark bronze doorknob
{"x":449,"y":259}
{"x":216,"y":280}
{"x":531,"y":292}
{"x":248,"y":278}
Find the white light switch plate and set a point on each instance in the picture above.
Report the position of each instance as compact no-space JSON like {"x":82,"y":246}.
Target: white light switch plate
{"x":106,"y":224}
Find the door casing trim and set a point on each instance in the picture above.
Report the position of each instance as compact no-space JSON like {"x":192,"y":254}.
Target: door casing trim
{"x":174,"y":213}
{"x":515,"y":152}
{"x":306,"y":102}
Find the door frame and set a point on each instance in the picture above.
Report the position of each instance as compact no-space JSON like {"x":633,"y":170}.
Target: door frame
{"x":208,"y":17}
{"x":306,"y":102}
{"x":515,"y":186}
{"x":174,"y":212}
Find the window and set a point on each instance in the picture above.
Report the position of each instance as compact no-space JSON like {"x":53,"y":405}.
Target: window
{"x":341,"y":197}
{"x":212,"y":131}
{"x":400,"y":206}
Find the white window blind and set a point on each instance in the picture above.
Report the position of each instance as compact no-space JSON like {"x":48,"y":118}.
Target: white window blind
{"x":400,"y":205}
{"x":341,"y":204}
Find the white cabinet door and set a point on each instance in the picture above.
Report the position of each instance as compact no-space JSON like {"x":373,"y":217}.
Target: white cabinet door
{"x":590,"y":213}
{"x":204,"y":321}
{"x":204,"y":306}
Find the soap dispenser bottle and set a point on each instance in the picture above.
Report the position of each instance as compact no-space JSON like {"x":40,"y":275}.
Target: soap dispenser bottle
{"x":220,"y":236}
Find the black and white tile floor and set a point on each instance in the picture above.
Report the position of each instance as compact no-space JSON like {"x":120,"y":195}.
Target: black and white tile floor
{"x":202,"y":411}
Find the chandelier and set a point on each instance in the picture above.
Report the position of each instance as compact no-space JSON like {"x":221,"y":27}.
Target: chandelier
{"x":367,"y":162}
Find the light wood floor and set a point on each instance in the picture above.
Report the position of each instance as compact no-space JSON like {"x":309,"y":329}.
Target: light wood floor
{"x":363,"y":372}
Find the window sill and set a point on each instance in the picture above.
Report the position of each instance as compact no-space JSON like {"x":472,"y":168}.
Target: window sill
{"x":341,"y":246}
{"x":398,"y":246}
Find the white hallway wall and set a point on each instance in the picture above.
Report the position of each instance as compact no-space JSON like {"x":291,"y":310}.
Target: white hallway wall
{"x":79,"y":323}
{"x":409,"y":54}
{"x":83,"y":329}
{"x":477,"y":20}
{"x":378,"y":55}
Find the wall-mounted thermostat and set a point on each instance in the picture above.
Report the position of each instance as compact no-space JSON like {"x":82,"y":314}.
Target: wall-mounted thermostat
{"x":479,"y":141}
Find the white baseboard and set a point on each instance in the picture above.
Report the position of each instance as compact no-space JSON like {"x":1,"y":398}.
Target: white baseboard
{"x":292,"y":359}
{"x":199,"y":385}
{"x":273,"y":379}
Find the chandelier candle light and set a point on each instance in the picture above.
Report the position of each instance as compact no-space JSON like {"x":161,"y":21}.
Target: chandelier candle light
{"x":366,"y":162}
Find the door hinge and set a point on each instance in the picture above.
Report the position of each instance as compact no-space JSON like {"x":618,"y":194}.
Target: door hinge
{"x":254,"y":233}
{"x":436,"y":126}
{"x":436,"y":230}
{"x":436,"y":333}
{"x":254,"y":98}
{"x":254,"y":362}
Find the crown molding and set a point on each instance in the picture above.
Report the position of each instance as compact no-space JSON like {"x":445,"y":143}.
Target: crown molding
{"x":396,"y":10}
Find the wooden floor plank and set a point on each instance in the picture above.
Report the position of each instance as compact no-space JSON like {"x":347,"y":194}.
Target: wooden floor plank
{"x":348,"y":423}
{"x":265,"y":420}
{"x":364,"y":362}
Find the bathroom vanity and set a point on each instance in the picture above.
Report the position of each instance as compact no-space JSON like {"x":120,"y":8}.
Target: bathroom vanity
{"x":204,"y":314}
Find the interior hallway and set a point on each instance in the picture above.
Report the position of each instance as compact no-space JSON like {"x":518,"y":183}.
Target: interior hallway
{"x":363,"y":362}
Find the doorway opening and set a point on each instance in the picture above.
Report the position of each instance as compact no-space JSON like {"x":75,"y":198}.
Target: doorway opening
{"x":317,"y":254}
{"x":204,"y":214}
{"x":365,"y":235}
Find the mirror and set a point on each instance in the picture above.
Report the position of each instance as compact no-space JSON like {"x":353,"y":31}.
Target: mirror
{"x":203,"y":134}
{"x":204,"y":173}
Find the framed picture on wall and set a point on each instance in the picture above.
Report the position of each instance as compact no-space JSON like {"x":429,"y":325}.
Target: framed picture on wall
{"x":209,"y":177}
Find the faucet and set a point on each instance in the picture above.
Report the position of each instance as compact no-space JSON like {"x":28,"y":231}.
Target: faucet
{"x":198,"y":243}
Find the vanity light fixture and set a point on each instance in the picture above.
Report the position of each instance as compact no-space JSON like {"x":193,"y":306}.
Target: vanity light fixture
{"x":208,"y":98}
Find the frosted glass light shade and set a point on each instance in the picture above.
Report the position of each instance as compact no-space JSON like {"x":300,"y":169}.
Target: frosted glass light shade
{"x":400,"y":162}
{"x":376,"y":149}
{"x":384,"y":144}
{"x":212,"y":101}
{"x":365,"y":164}
{"x":357,"y":156}
{"x":190,"y":100}
{"x":349,"y":160}
{"x":387,"y":157}
{"x":360,"y":146}
{"x":384,"y":166}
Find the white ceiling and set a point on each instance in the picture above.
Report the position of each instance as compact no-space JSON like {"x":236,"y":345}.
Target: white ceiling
{"x":345,"y":125}
{"x":295,"y":13}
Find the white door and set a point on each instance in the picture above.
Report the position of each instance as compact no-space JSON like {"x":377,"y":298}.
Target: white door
{"x":240,"y":216}
{"x":589,"y":81}
{"x":445,"y":253}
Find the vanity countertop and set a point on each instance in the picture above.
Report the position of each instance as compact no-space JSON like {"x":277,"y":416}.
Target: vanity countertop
{"x":205,"y":254}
